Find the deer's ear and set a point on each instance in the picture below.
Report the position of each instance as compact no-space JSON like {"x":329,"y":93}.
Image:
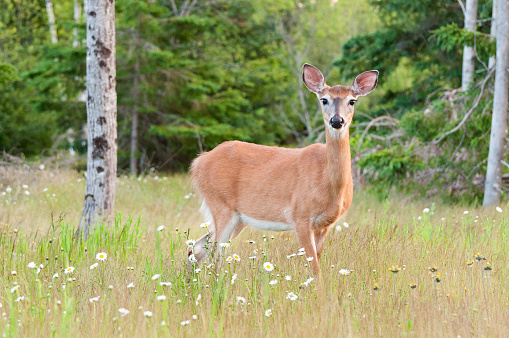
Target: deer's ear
{"x":313,"y":78}
{"x":365,"y":83}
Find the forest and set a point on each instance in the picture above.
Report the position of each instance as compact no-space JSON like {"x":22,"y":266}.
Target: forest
{"x":192,"y":74}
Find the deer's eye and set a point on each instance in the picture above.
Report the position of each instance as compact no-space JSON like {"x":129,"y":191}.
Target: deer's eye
{"x":324,"y":101}
{"x":351,"y":102}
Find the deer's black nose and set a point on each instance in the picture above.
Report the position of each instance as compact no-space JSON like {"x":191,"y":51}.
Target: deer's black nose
{"x":337,"y":122}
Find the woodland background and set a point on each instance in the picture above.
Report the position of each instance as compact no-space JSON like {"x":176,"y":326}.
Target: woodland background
{"x":192,"y":74}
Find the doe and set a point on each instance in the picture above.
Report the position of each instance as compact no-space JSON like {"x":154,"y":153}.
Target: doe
{"x":280,"y":189}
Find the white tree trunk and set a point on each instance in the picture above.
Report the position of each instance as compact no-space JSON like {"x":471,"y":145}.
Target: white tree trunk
{"x":493,"y":187}
{"x":468,"y":51}
{"x":101,"y":115}
{"x":493,"y":32}
{"x":77,"y":20}
{"x":51,"y":21}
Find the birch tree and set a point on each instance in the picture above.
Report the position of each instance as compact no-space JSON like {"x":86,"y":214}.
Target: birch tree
{"x":468,"y":51}
{"x":51,"y":21}
{"x":101,"y":115}
{"x":493,"y":187}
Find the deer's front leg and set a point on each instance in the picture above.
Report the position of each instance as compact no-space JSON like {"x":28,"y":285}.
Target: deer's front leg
{"x":307,"y":241}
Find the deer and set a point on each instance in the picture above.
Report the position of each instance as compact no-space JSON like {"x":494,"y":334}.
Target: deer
{"x":270,"y":188}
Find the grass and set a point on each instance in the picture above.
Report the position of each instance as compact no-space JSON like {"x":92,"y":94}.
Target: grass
{"x":366,"y":298}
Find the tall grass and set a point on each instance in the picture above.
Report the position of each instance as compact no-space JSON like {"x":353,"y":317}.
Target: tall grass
{"x":358,"y":295}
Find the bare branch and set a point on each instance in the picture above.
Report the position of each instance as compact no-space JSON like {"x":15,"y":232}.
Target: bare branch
{"x":385,"y":117}
{"x":467,"y":115}
{"x":462,"y":7}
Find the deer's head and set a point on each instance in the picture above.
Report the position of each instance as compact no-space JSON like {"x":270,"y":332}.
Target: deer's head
{"x":337,"y":102}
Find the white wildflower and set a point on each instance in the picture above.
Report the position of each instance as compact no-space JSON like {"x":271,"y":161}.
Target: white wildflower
{"x":32,"y":265}
{"x":344,"y":272}
{"x":160,"y":228}
{"x":288,"y":277}
{"x":130,"y":285}
{"x":273,"y":282}
{"x":242,"y":300}
{"x":268,"y":266}
{"x":161,"y":297}
{"x":94,"y":299}
{"x":292,"y":296}
{"x":101,"y":256}
{"x":268,"y":313}
{"x":123,"y":311}
{"x":156,"y":276}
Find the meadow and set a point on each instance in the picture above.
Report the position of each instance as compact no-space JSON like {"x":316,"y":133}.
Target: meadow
{"x":394,"y":267}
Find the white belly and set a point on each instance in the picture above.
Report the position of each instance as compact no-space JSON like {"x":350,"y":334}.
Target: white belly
{"x":266,"y":225}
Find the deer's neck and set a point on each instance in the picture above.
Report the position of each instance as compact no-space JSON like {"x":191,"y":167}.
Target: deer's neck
{"x":339,"y":164}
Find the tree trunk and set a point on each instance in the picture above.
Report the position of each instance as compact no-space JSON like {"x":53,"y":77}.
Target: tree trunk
{"x":77,"y":20}
{"x":493,"y":32}
{"x":136,"y":96}
{"x":468,"y":51}
{"x":51,"y":21}
{"x":493,"y":187}
{"x":101,"y":115}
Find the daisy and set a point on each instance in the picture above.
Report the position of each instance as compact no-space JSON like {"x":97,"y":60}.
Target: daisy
{"x":185,"y":322}
{"x":94,"y":299}
{"x":288,"y":277}
{"x":161,"y":297}
{"x":309,"y":259}
{"x":69,"y":269}
{"x":123,"y":311}
{"x":147,"y":314}
{"x":309,"y":280}
{"x":290,"y":256}
{"x":242,"y":300}
{"x":32,"y":265}
{"x":160,"y":228}
{"x":425,"y":210}
{"x":234,"y":277}
{"x":130,"y":285}
{"x":346,"y":225}
{"x":190,"y":243}
{"x":252,"y":257}
{"x":338,"y":228}
{"x":224,"y":245}
{"x":273,"y":282}
{"x":204,"y":225}
{"x":197,"y":270}
{"x":14,"y":288}
{"x":156,"y":276}
{"x":229,"y":259}
{"x":268,"y":266}
{"x":236,"y":257}
{"x":19,"y":298}
{"x":14,"y":273}
{"x":93,"y":266}
{"x":192,"y":258}
{"x":268,"y":313}
{"x":101,"y":256}
{"x":55,"y":275}
{"x":344,"y":272}
{"x":499,"y":209}
{"x":292,"y":296}
{"x":165,"y":283}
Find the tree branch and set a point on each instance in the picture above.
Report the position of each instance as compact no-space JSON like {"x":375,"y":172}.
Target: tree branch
{"x":467,"y":115}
